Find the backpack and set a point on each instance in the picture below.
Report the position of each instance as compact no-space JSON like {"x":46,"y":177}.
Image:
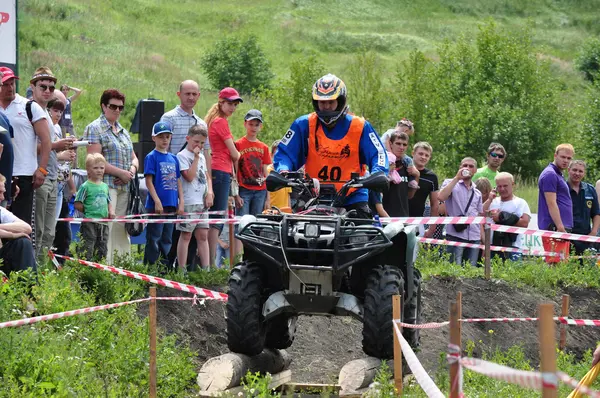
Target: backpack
{"x":29,"y":112}
{"x":135,"y":206}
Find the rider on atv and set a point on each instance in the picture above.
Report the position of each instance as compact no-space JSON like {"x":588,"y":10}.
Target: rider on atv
{"x":332,"y":144}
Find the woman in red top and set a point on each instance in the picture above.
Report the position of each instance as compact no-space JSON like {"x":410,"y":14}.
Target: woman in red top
{"x":224,"y":155}
{"x":252,"y":167}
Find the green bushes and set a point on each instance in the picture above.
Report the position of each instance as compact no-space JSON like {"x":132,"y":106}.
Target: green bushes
{"x":100,"y":354}
{"x":238,"y":63}
{"x":488,"y":89}
{"x":588,"y":60}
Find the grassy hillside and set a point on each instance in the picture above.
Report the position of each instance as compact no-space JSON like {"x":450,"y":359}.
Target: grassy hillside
{"x":146,"y":47}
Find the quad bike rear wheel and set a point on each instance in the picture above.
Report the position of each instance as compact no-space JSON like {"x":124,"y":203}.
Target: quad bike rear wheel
{"x":245,"y":326}
{"x":413,"y":311}
{"x":281,"y":331}
{"x":384,"y":282}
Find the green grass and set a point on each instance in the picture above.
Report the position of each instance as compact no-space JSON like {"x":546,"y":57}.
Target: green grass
{"x":145,"y":48}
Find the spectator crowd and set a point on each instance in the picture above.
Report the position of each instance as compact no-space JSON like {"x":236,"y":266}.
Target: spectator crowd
{"x":197,"y":170}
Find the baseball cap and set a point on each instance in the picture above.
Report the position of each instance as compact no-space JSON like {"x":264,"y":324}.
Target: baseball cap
{"x":7,"y":74}
{"x":230,"y":94}
{"x":253,"y":114}
{"x":161,"y":127}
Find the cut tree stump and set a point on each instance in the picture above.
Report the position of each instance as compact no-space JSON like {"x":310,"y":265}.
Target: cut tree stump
{"x":359,"y":374}
{"x":226,"y":371}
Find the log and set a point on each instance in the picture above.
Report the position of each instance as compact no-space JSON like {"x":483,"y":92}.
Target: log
{"x":226,"y":371}
{"x":360,"y":373}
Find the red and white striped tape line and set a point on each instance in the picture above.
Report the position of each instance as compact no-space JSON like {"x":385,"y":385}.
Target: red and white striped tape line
{"x":435,"y":220}
{"x":578,"y":322}
{"x":420,"y":374}
{"x":157,"y":220}
{"x":568,"y":380}
{"x":431,"y":325}
{"x":150,"y":279}
{"x":546,"y":234}
{"x":499,"y":320}
{"x":129,"y":216}
{"x":493,"y":248}
{"x":523,"y":378}
{"x":29,"y":321}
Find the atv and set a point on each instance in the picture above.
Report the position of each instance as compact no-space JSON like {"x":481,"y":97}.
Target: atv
{"x":321,"y":260}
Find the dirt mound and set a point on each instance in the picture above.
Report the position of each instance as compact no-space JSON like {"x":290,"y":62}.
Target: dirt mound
{"x":324,"y":344}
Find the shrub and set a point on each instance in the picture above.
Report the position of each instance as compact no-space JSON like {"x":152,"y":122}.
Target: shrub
{"x":489,"y":89}
{"x":588,"y":60}
{"x":239,"y":63}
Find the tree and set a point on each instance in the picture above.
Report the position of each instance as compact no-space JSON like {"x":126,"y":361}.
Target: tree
{"x":238,"y":63}
{"x":492,"y":89}
{"x":588,"y":60}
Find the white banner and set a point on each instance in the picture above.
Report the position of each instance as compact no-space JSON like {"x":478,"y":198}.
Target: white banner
{"x":8,"y":32}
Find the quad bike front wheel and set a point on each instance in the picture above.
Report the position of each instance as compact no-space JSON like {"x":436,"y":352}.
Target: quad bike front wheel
{"x":245,"y":326}
{"x":383,"y":282}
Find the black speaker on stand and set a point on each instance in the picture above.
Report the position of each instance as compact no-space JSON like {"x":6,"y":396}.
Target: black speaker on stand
{"x":147,"y":112}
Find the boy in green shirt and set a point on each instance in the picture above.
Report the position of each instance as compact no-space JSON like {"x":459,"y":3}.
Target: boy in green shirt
{"x":93,"y":200}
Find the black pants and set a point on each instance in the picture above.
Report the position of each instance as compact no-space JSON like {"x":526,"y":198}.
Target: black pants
{"x":17,"y":255}
{"x":62,"y":238}
{"x":22,"y":206}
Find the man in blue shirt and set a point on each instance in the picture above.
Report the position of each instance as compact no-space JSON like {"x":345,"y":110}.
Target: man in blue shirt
{"x":331,"y":143}
{"x":586,"y":210}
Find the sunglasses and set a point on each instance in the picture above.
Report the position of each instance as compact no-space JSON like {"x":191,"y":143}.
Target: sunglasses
{"x":496,"y":155}
{"x":114,"y":107}
{"x":44,"y":88}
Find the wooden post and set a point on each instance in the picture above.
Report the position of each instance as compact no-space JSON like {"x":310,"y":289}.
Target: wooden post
{"x":487,"y":251}
{"x":459,"y":302}
{"x":563,"y":328}
{"x":152,"y":316}
{"x":547,"y":349}
{"x":454,"y":339}
{"x":232,"y":242}
{"x":397,"y":313}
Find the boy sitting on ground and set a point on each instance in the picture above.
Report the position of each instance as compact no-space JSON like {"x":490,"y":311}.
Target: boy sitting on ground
{"x":93,"y":200}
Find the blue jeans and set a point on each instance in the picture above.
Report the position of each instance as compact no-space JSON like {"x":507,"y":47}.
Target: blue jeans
{"x":221,"y":255}
{"x":221,"y":182}
{"x":254,"y":201}
{"x":159,"y":240}
{"x":460,"y":254}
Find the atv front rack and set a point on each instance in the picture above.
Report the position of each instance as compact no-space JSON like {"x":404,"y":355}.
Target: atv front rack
{"x":340,"y":243}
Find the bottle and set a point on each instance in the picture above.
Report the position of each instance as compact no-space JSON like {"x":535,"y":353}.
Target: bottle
{"x":377,"y":221}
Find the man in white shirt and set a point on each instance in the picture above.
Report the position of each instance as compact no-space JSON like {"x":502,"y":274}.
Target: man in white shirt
{"x":16,"y":251}
{"x":28,"y":173}
{"x":507,"y":209}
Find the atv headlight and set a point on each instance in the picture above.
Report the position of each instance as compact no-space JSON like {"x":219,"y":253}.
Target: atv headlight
{"x":312,"y":230}
{"x":269,"y":233}
{"x":358,"y":239}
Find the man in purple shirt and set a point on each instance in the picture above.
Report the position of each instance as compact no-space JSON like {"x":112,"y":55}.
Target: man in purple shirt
{"x":463,"y":199}
{"x":555,"y":208}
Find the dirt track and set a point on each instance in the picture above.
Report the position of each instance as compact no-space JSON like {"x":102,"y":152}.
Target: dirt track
{"x":323,"y":345}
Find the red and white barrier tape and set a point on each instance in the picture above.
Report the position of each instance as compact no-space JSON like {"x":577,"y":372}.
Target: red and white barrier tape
{"x":210,"y":294}
{"x":568,"y":380}
{"x":431,"y":325}
{"x":492,"y":248}
{"x":523,"y":378}
{"x":498,"y":320}
{"x":29,"y":321}
{"x":157,"y":220}
{"x":578,"y":322}
{"x":435,"y":220}
{"x":546,"y":234}
{"x":453,"y":356}
{"x":413,"y":362}
{"x":130,"y":216}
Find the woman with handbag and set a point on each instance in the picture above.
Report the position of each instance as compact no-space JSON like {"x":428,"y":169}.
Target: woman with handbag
{"x":108,"y":137}
{"x":224,"y":155}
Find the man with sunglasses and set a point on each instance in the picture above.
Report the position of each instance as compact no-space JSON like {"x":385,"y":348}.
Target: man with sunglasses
{"x":29,"y":171}
{"x":495,"y":157}
{"x":43,"y":84}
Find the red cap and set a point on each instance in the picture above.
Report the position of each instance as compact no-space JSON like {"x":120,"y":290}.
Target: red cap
{"x":230,"y":94}
{"x":7,"y":73}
